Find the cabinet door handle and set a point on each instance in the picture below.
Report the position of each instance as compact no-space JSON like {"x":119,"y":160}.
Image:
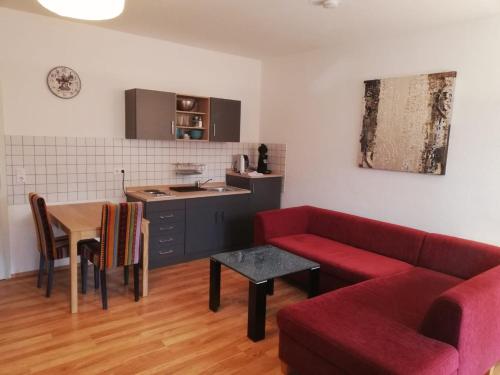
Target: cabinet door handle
{"x":165,"y":252}
{"x":166,"y":228}
{"x":173,"y":127}
{"x":214,"y":128}
{"x":223,"y":216}
{"x":168,"y":240}
{"x":163,"y":217}
{"x":216,"y":214}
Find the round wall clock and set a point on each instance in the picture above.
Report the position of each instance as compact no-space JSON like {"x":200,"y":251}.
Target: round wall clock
{"x":64,"y":82}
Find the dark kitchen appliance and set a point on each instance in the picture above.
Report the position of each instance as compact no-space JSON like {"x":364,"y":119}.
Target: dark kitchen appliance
{"x":262,"y":164}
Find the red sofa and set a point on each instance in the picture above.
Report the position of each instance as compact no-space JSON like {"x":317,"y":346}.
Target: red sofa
{"x":411,"y":303}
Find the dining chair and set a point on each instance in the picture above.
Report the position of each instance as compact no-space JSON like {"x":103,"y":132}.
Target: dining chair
{"x":119,"y":245}
{"x":50,"y":247}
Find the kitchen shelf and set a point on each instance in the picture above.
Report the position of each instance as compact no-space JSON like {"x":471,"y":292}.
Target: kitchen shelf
{"x":190,"y":127}
{"x":189,"y":168}
{"x":191,"y":140}
{"x":191,"y":112}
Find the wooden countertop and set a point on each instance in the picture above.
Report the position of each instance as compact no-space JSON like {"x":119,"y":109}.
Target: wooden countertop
{"x":137,"y":192}
{"x":232,"y":173}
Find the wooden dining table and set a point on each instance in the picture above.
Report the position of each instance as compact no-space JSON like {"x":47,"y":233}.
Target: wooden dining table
{"x":82,"y":221}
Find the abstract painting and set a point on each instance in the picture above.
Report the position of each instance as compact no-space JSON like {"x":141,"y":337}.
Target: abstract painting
{"x":406,"y":125}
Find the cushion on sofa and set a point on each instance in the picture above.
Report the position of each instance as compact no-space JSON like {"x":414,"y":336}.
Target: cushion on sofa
{"x":456,"y":256}
{"x":281,"y":222}
{"x":340,"y":260}
{"x":387,"y":239}
{"x":371,"y":327}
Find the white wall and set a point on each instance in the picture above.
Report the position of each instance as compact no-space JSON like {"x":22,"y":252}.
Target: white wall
{"x":313,"y":102}
{"x":108,"y":63}
{"x":4,"y":232}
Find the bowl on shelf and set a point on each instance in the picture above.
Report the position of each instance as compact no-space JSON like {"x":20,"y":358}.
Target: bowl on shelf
{"x":196,"y":134}
{"x":185,"y":104}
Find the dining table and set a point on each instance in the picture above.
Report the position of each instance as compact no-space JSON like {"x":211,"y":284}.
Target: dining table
{"x":81,"y":221}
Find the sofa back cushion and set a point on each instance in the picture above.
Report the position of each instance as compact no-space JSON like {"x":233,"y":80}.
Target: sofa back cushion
{"x":376,"y":236}
{"x":457,"y":257}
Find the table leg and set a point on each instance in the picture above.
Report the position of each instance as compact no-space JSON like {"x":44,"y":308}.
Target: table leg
{"x":313,"y":282}
{"x":257,"y":310}
{"x":73,"y":254}
{"x":214,"y":294}
{"x":270,"y":287}
{"x":145,"y":259}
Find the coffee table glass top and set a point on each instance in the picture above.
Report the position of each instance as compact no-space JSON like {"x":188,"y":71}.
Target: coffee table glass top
{"x":262,"y":263}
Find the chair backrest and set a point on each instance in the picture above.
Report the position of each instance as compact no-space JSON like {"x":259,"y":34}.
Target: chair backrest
{"x":120,"y":234}
{"x":44,"y":232}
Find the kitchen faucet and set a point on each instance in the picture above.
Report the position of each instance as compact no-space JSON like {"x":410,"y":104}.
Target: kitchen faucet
{"x":199,"y":184}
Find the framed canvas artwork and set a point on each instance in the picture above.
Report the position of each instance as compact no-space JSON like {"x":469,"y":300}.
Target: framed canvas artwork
{"x":406,"y":125}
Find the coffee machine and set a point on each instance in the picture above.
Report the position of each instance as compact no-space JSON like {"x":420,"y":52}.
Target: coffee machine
{"x":262,"y":164}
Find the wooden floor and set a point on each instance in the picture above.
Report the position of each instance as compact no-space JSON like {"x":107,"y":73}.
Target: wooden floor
{"x":170,"y":332}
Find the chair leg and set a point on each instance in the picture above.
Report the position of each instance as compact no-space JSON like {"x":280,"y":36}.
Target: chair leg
{"x":136,"y":282}
{"x":96,"y":277}
{"x":41,"y":270}
{"x":125,"y":275}
{"x":104,"y":290}
{"x":50,"y":279}
{"x":84,"y":267}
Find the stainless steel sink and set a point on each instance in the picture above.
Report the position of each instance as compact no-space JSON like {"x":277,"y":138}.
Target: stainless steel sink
{"x":187,"y":189}
{"x":221,"y":189}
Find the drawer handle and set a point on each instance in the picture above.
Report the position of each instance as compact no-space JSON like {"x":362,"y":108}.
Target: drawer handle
{"x":163,"y":217}
{"x":169,"y":240}
{"x":166,"y":228}
{"x":165,"y":252}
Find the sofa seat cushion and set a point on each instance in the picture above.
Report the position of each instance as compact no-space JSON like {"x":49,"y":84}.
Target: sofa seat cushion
{"x":340,"y":260}
{"x":372,"y":327}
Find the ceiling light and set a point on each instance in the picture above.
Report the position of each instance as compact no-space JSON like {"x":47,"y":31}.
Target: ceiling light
{"x":326,"y":3}
{"x":331,"y":3}
{"x":93,"y":10}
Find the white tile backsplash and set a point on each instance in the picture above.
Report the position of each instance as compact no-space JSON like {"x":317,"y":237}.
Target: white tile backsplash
{"x":72,"y":169}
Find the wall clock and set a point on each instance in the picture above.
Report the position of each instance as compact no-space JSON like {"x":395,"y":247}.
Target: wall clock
{"x":64,"y":82}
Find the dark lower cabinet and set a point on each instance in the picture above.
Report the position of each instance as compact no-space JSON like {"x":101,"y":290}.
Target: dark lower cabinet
{"x":217,"y":224}
{"x":185,"y":229}
{"x":202,"y":226}
{"x":266,"y":191}
{"x":266,"y":194}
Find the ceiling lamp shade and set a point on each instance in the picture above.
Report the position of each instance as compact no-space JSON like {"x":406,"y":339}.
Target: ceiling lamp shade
{"x":92,"y":10}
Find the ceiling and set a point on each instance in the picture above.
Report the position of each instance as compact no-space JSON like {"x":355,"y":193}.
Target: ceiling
{"x":264,"y":28}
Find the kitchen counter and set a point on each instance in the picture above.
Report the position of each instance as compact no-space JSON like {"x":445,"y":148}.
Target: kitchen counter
{"x":137,"y":192}
{"x":232,"y":173}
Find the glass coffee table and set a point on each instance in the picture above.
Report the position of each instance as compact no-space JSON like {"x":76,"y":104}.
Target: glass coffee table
{"x":260,"y":265}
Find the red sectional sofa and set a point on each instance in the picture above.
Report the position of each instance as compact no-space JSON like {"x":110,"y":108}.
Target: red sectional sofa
{"x":411,"y":303}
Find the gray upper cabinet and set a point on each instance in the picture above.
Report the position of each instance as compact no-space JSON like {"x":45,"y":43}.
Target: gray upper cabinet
{"x":150,"y":114}
{"x":225,"y":118}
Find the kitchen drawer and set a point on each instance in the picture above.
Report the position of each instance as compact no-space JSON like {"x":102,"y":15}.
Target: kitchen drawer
{"x":166,"y":239}
{"x":177,"y":204}
{"x":162,"y":229}
{"x":166,"y":217}
{"x":165,"y":255}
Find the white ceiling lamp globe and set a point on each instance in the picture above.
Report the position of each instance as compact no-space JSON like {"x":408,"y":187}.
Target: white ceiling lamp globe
{"x":92,"y":10}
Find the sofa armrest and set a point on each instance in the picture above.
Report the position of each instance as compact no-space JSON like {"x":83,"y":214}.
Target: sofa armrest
{"x":467,"y":317}
{"x":278,"y":223}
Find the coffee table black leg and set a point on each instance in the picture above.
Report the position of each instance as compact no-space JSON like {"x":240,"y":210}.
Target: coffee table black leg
{"x":214,"y":296}
{"x":313,"y":282}
{"x":270,"y":287}
{"x":257,"y":310}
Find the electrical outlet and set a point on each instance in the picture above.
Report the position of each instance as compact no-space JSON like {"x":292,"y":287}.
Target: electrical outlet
{"x":20,"y":175}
